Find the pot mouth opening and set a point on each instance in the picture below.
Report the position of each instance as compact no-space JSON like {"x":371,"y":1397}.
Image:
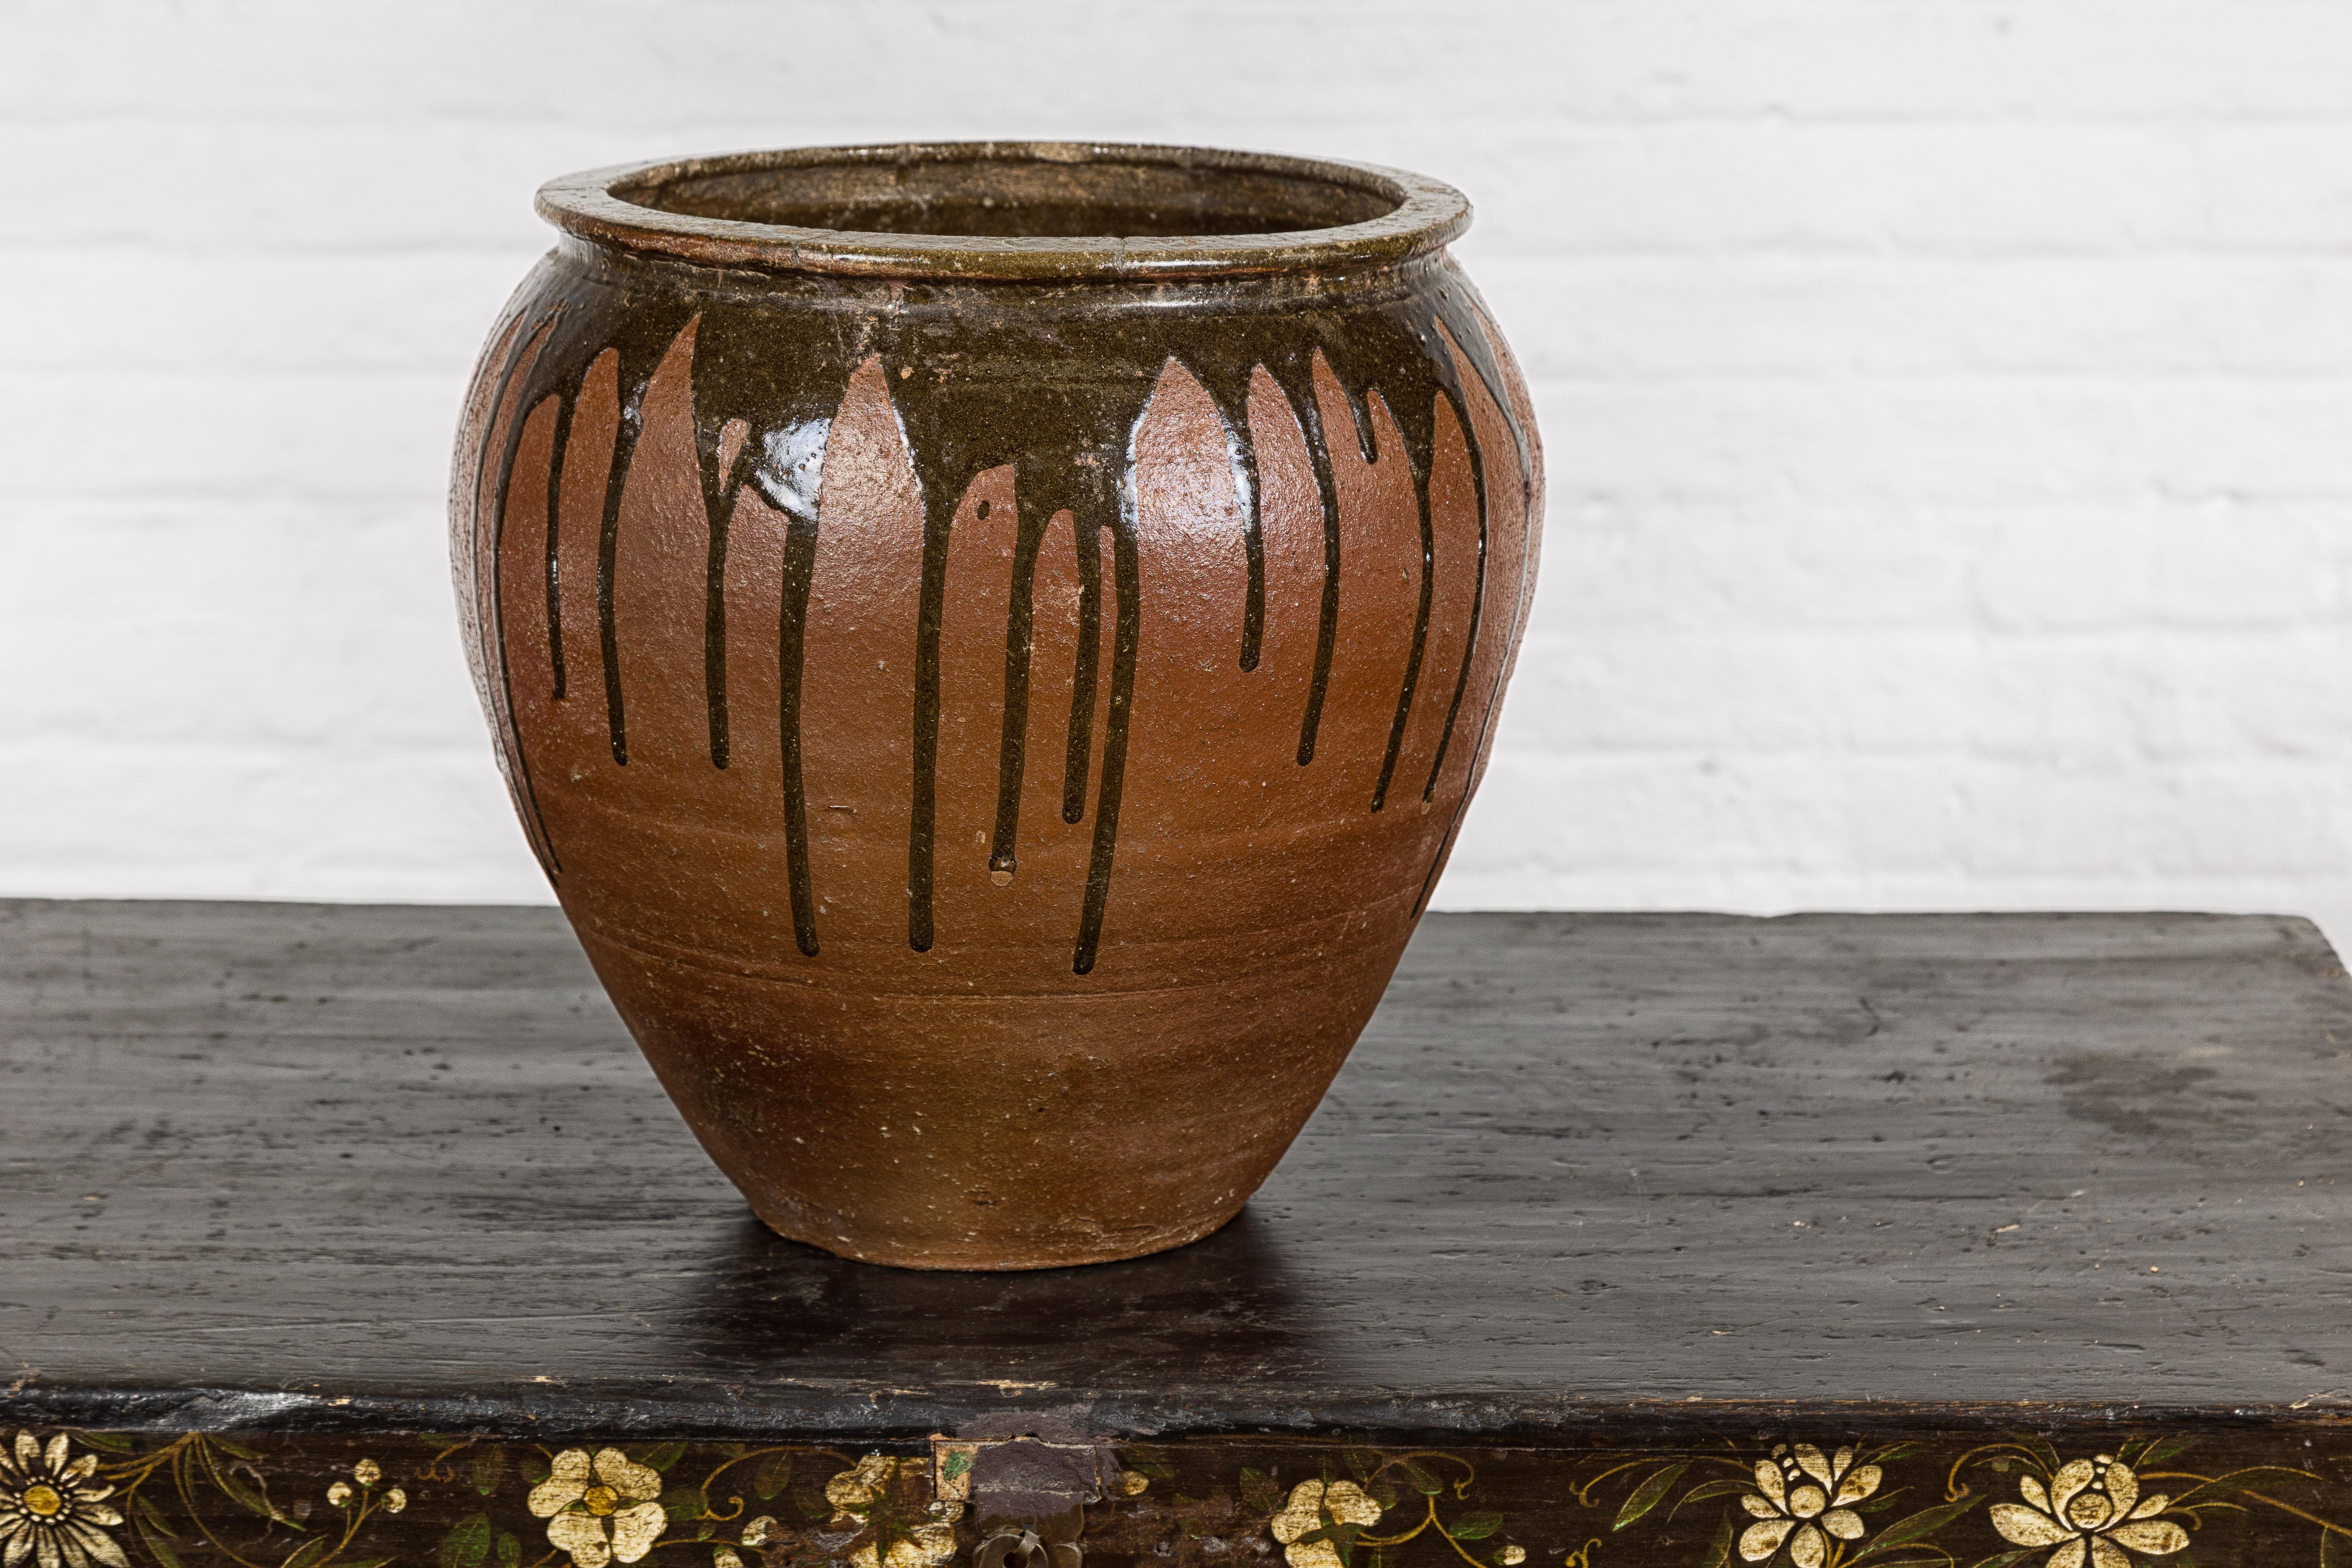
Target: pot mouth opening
{"x":1012,"y":211}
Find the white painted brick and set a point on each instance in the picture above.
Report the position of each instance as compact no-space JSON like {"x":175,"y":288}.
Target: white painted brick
{"x":1838,"y":187}
{"x":195,"y":435}
{"x":279,"y":627}
{"x":246,"y":312}
{"x":1949,"y":410}
{"x":2169,"y":314}
{"x":1630,"y":58}
{"x":1947,"y":439}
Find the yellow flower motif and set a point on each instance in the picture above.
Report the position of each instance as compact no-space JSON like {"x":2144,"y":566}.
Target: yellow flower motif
{"x":2092,"y":1510}
{"x":1304,"y":1514}
{"x":601,"y":1510}
{"x":853,"y":1492}
{"x":50,"y":1512}
{"x":1800,"y":1497}
{"x":856,"y":1492}
{"x":924,"y":1546}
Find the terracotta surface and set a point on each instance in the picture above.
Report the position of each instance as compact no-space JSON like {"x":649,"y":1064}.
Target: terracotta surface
{"x":993,"y":706}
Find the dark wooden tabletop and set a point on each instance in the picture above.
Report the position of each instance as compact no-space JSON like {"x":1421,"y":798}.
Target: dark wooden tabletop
{"x":285,"y":1165}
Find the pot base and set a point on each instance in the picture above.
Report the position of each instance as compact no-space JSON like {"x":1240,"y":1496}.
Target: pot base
{"x":983,"y":1259}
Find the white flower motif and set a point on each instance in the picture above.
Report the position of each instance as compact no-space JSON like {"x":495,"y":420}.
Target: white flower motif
{"x":2092,"y":1511}
{"x":601,"y":1510}
{"x":48,"y":1510}
{"x":1345,"y":1501}
{"x":757,"y":1532}
{"x":1800,"y":1497}
{"x":340,"y":1494}
{"x":394,"y":1500}
{"x":367,"y":1473}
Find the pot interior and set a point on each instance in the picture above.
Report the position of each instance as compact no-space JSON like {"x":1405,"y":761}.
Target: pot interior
{"x":1005,"y":192}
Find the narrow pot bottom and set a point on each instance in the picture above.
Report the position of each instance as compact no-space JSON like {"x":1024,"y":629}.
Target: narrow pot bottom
{"x":994,"y":1259}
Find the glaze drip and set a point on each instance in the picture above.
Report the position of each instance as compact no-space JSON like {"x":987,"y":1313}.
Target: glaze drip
{"x":1057,"y":396}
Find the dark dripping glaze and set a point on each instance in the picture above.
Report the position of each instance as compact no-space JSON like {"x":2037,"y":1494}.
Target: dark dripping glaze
{"x":1051,"y":381}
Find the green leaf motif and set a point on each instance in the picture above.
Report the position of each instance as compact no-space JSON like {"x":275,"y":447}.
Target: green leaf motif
{"x":508,"y":1549}
{"x":1706,"y":1489}
{"x":685,"y":1504}
{"x":1147,"y":1463}
{"x":1917,"y":1526}
{"x":490,"y":1469}
{"x":2334,"y":1550}
{"x":775,"y":1472}
{"x":1477,"y":1526}
{"x":535,"y":1469}
{"x":1650,"y":1493}
{"x":113,"y":1442}
{"x":1423,"y":1481}
{"x":225,"y":1447}
{"x":811,"y":1504}
{"x":156,"y":1547}
{"x":248,"y":1496}
{"x":2039,"y":1449}
{"x":308,"y":1554}
{"x":151,"y":1516}
{"x":467,"y":1543}
{"x":1719,"y":1551}
{"x":2237,"y":1481}
{"x":662,"y":1456}
{"x":1259,"y":1492}
{"x":2005,"y":1559}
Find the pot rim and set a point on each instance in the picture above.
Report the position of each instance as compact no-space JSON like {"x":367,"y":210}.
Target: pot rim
{"x":596,"y":205}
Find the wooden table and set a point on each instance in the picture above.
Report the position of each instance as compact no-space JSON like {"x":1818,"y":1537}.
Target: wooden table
{"x":302,"y":1206}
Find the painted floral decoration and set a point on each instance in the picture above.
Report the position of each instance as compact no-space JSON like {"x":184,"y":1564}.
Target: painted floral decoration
{"x":48,"y":1510}
{"x":857,"y":1493}
{"x":601,"y":1510}
{"x":1344,"y":1503}
{"x":1802,"y":1496}
{"x":924,"y":1546}
{"x":2093,"y":1511}
{"x":854,"y":1491}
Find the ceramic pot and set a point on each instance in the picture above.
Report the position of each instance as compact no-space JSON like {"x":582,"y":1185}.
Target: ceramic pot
{"x":993,"y":699}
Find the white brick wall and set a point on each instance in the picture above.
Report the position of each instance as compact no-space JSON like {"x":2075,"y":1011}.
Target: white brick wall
{"x":1950,"y":406}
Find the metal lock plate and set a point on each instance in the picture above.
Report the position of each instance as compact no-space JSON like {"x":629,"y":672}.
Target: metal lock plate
{"x":1027,"y":1496}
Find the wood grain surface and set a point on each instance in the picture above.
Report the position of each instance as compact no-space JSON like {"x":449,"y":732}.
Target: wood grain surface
{"x":351,"y":1168}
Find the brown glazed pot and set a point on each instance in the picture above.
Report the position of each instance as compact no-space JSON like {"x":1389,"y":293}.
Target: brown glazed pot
{"x":993,"y":698}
